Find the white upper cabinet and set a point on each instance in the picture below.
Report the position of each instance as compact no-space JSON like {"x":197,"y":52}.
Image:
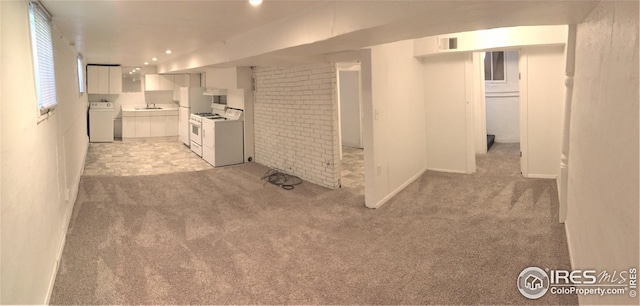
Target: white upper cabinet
{"x":97,"y":79}
{"x":235,"y":98}
{"x":193,"y":80}
{"x":157,"y":82}
{"x":104,"y":79}
{"x":226,"y":78}
{"x":180,"y":80}
{"x":170,"y":82}
{"x":166,"y":82}
{"x":115,"y":80}
{"x":151,"y":82}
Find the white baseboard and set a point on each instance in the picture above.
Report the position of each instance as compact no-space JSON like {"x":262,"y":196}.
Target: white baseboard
{"x":65,"y":225}
{"x":571,"y":258}
{"x":448,"y":170}
{"x":400,"y":188}
{"x":566,"y":233}
{"x":543,"y":176}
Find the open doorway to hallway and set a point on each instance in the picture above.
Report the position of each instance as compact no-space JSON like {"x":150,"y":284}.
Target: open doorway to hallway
{"x":350,"y":126}
{"x":502,"y":102}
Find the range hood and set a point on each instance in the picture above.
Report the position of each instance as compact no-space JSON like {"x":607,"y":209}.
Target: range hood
{"x":215,"y":92}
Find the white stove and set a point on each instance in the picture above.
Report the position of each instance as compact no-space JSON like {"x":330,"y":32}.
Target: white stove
{"x":195,"y":125}
{"x":198,"y":116}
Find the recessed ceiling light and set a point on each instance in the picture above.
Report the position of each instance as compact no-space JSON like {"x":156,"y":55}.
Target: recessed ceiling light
{"x":146,"y":63}
{"x":154,"y":59}
{"x":168,"y":51}
{"x":137,"y":68}
{"x":255,"y":2}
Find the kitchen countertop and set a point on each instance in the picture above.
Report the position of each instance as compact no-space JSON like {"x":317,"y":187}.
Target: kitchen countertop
{"x":140,"y":111}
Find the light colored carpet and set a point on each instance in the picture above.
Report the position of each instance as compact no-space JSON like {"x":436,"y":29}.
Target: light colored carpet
{"x":220,"y":236}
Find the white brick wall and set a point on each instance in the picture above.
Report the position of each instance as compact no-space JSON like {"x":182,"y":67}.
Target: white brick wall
{"x":296,"y":127}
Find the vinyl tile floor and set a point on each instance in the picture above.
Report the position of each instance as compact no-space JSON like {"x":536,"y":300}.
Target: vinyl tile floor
{"x":159,"y":156}
{"x":353,"y":168}
{"x":141,"y":157}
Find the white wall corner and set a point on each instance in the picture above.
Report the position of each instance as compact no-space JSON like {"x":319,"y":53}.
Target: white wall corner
{"x":398,"y":189}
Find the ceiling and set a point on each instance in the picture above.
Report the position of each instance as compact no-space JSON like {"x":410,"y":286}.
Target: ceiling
{"x":227,"y":33}
{"x":134,"y":31}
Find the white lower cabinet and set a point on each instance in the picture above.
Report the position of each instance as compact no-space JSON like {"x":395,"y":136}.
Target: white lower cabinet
{"x":143,"y":127}
{"x":143,"y":124}
{"x":208,"y":141}
{"x":128,"y":127}
{"x":171,"y":126}
{"x":222,"y":142}
{"x":157,"y":126}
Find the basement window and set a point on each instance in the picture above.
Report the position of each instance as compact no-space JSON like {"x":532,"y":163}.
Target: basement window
{"x":494,"y":67}
{"x":42,"y":52}
{"x":80,"y":75}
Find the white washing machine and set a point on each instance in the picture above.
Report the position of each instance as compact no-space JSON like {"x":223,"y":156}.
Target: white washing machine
{"x":101,"y":122}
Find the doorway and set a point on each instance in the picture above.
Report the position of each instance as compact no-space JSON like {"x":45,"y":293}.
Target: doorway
{"x":501,"y":93}
{"x":350,"y":126}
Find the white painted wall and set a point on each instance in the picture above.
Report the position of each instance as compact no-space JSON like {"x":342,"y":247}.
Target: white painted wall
{"x":543,"y":96}
{"x":349,"y":96}
{"x":393,"y":111}
{"x":493,"y":39}
{"x":542,"y":118}
{"x":479,"y":103}
{"x":221,"y":78}
{"x":41,"y":162}
{"x":503,"y":118}
{"x":503,"y":103}
{"x":602,"y":216}
{"x":446,"y":107}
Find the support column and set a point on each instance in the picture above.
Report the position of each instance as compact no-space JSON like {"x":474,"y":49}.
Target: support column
{"x":563,"y":180}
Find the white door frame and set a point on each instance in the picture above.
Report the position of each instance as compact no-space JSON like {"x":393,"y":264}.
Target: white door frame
{"x":469,"y":113}
{"x":481,"y":106}
{"x":348,"y":67}
{"x":524,"y":111}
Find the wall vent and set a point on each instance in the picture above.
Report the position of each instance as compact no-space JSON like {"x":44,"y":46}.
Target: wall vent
{"x":448,"y":43}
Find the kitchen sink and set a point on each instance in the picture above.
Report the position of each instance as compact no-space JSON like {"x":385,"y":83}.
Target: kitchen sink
{"x":143,"y":108}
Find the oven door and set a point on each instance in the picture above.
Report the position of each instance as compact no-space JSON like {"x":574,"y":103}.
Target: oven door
{"x":195,"y":131}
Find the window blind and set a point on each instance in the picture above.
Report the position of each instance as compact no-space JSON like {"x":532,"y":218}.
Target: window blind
{"x":42,"y":57}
